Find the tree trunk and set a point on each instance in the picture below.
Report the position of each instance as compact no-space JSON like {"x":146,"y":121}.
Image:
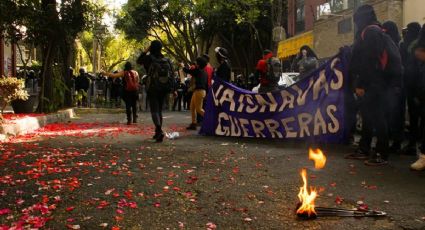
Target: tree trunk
{"x":67,"y":51}
{"x":46,"y":94}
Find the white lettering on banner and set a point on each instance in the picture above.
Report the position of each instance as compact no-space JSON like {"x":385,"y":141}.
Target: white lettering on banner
{"x":265,"y":104}
{"x":320,"y":84}
{"x":337,"y":85}
{"x":302,"y":95}
{"x":252,"y":106}
{"x":228,"y":96}
{"x":301,"y":125}
{"x":288,"y":100}
{"x":216,"y":95}
{"x":331,"y":109}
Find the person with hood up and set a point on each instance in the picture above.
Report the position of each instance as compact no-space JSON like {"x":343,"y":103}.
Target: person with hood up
{"x":150,"y":56}
{"x":419,"y":51}
{"x":410,"y":77}
{"x":266,"y":84}
{"x":396,"y":95}
{"x":224,"y":69}
{"x":373,"y":83}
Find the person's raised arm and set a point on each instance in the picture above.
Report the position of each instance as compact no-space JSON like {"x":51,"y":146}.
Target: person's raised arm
{"x":113,"y":75}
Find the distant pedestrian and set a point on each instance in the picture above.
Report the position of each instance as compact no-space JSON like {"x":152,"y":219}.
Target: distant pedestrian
{"x":411,"y":75}
{"x":180,"y":87}
{"x":130,"y":90}
{"x":224,"y":69}
{"x":159,"y":83}
{"x":200,"y":77}
{"x":82,"y":85}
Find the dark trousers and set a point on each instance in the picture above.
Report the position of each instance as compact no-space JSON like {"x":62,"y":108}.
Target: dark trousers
{"x":396,"y":101}
{"x":156,"y":103}
{"x":414,"y":110}
{"x":130,"y":99}
{"x":373,"y":110}
{"x":178,"y":102}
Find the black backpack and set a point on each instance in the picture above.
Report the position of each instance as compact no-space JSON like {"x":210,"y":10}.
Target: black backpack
{"x":160,"y":75}
{"x":390,"y":59}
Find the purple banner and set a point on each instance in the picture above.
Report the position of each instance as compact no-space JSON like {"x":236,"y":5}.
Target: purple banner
{"x":312,"y":109}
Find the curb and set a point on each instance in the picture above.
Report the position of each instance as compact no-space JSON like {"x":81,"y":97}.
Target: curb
{"x":29,"y":124}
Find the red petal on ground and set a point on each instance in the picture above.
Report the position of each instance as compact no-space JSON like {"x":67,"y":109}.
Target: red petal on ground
{"x":70,"y":208}
{"x":339,"y":200}
{"x":5,"y":211}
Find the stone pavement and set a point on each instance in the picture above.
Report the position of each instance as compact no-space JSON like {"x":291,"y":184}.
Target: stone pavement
{"x":104,"y":174}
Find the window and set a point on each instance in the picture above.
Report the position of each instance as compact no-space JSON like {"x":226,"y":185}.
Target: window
{"x":300,"y":17}
{"x":345,"y":26}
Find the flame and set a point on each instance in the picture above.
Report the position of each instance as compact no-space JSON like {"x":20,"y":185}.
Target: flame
{"x":318,"y":157}
{"x":306,"y":199}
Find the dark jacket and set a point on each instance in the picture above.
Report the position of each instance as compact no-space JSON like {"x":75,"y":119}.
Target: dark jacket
{"x":224,"y":71}
{"x":368,"y":47}
{"x":82,"y":82}
{"x":200,"y":76}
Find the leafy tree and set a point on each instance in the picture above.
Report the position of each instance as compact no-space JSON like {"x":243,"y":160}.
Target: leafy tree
{"x":53,"y":25}
{"x":172,"y":22}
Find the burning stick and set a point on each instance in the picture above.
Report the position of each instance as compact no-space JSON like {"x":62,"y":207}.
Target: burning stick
{"x":306,"y":205}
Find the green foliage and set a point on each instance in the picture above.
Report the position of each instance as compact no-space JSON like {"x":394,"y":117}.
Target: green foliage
{"x":11,"y":88}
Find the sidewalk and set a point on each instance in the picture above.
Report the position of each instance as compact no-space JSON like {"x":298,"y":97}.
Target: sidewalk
{"x":30,"y":123}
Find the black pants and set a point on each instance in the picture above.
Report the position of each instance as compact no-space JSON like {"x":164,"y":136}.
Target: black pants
{"x":186,"y":100}
{"x":156,"y":103}
{"x":396,"y":111}
{"x":373,"y":110}
{"x":178,"y":102}
{"x":414,"y":109}
{"x":130,"y":99}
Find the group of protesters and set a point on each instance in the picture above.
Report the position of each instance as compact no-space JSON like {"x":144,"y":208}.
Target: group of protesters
{"x":387,"y":74}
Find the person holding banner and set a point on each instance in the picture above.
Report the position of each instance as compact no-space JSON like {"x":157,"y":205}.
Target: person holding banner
{"x":224,"y":70}
{"x":200,"y":77}
{"x":268,"y":80}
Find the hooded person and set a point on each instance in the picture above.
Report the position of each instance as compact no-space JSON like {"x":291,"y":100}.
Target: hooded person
{"x":224,"y":69}
{"x":396,"y":95}
{"x":372,"y":86}
{"x":266,"y":84}
{"x":153,"y":57}
{"x":419,"y":51}
{"x":412,"y":74}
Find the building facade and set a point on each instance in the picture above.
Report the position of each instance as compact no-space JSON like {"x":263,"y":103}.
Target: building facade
{"x":328,"y":24}
{"x":7,"y":58}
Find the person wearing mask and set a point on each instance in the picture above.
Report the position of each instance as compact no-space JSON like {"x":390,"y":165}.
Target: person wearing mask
{"x":224,"y":69}
{"x":411,"y":74}
{"x":373,"y":83}
{"x":396,"y":96}
{"x":130,"y":90}
{"x":156,"y":65}
{"x":266,"y":83}
{"x":305,"y":61}
{"x":200,"y":78}
{"x":419,"y":51}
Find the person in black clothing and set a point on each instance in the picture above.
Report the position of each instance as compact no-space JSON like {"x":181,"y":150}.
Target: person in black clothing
{"x":156,"y":96}
{"x":372,"y":85}
{"x":419,"y":51}
{"x":396,"y":96}
{"x":411,"y":74}
{"x":187,"y":95}
{"x":82,"y":85}
{"x":224,"y":69}
{"x":180,"y":87}
{"x":200,"y":77}
{"x":130,"y":97}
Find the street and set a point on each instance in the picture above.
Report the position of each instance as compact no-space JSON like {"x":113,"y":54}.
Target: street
{"x":98,"y":173}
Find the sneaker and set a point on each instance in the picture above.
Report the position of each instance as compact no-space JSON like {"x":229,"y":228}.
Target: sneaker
{"x":359,"y":154}
{"x":191,"y":127}
{"x":376,"y":160}
{"x":419,"y":165}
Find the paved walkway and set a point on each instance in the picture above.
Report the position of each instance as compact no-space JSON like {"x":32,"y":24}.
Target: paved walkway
{"x":96,"y":173}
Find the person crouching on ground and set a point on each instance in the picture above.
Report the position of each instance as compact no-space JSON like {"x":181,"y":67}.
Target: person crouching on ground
{"x":130,"y":92}
{"x":201,"y":85}
{"x":420,"y":55}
